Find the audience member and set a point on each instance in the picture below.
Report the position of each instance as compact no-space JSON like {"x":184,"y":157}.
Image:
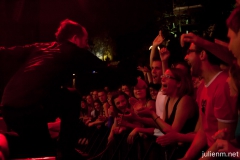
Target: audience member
{"x":216,"y":107}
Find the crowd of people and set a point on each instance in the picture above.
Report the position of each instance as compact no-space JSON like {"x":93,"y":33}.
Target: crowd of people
{"x":187,"y":110}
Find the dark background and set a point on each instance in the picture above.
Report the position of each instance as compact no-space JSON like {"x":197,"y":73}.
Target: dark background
{"x":131,"y":24}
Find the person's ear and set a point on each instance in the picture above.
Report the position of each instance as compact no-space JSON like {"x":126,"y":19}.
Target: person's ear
{"x":203,"y":55}
{"x":74,"y":37}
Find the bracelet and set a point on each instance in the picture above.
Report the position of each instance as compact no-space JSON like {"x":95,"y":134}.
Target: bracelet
{"x":156,"y":118}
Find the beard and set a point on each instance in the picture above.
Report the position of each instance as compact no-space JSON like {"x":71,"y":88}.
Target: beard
{"x":196,"y":70}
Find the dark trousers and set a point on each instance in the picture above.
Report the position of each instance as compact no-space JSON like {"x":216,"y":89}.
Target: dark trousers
{"x":30,"y":123}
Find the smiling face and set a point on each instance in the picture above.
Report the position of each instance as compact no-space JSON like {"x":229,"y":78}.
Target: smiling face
{"x":140,"y":89}
{"x":194,"y":61}
{"x":83,"y":105}
{"x":169,"y":83}
{"x":153,"y":92}
{"x":102,"y":96}
{"x":156,"y":70}
{"x":89,"y":99}
{"x":95,"y":95}
{"x":121,"y":102}
{"x":126,"y":90}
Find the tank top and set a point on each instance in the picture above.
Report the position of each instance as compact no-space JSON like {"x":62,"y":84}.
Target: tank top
{"x":189,"y":125}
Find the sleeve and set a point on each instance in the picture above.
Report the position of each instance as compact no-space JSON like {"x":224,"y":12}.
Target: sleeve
{"x":157,"y":133}
{"x":225,"y":109}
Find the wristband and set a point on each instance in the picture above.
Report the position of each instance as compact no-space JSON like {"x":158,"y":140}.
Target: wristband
{"x":156,"y":118}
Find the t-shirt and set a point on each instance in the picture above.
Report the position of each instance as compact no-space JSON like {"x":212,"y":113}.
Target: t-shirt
{"x":159,"y":111}
{"x":160,"y":104}
{"x":216,"y":104}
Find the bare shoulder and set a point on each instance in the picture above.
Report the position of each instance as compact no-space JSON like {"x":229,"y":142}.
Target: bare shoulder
{"x":187,"y":101}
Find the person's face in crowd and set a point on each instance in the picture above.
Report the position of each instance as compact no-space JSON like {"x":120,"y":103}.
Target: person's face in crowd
{"x":169,"y":83}
{"x":82,"y":41}
{"x":140,"y":89}
{"x":102,"y":97}
{"x":156,"y":71}
{"x":121,"y":103}
{"x":109,"y":98}
{"x":83,"y":104}
{"x":126,"y":89}
{"x":97,"y":106}
{"x":89,"y":99}
{"x":153,"y":93}
{"x":232,"y":86}
{"x":194,"y":61}
{"x":106,"y":88}
{"x":234,"y":41}
{"x":95,"y":95}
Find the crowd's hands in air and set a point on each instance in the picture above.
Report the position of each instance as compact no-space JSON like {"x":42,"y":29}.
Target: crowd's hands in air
{"x":190,"y":38}
{"x":143,"y":69}
{"x":164,"y":54}
{"x":158,"y":40}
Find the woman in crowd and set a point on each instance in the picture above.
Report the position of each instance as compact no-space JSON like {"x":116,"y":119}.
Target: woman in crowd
{"x":142,"y":95}
{"x":153,"y":90}
{"x":121,"y":107}
{"x":180,"y":114}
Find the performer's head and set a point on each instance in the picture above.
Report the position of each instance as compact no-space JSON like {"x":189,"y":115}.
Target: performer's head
{"x":73,"y":32}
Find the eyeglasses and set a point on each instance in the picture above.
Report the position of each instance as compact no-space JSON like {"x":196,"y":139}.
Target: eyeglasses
{"x":167,"y":76}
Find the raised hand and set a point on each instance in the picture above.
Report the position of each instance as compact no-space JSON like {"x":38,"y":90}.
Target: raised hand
{"x":158,"y":40}
{"x":190,"y":38}
{"x":143,"y":69}
{"x":164,"y":54}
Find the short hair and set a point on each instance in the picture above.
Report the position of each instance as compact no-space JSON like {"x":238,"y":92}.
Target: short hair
{"x":214,"y":60}
{"x":233,"y":21}
{"x":186,"y":87}
{"x":67,"y":29}
{"x":102,"y":90}
{"x":116,"y":95}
